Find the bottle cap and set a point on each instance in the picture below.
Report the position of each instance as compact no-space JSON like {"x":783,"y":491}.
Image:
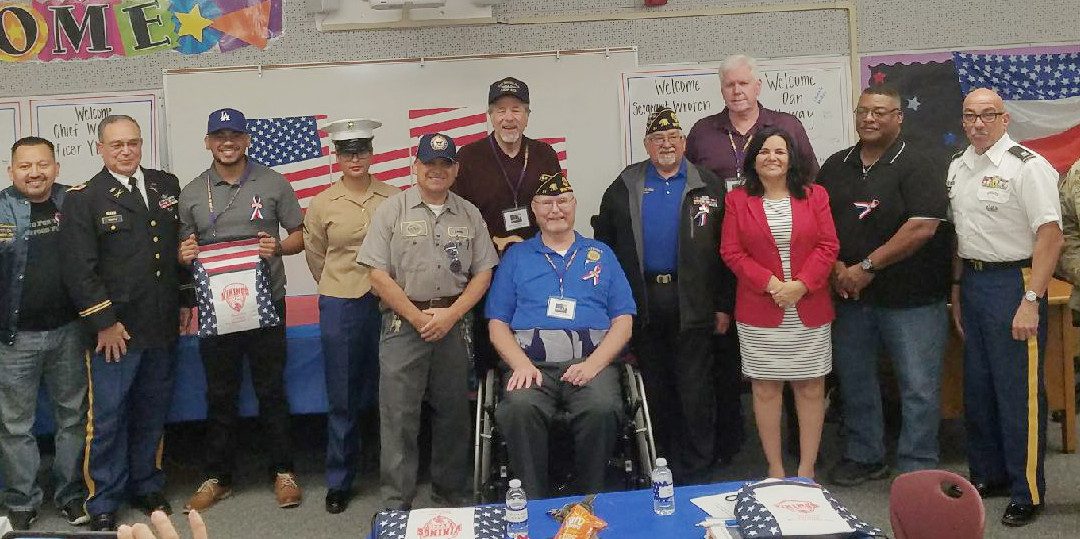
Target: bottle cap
{"x":515,"y":483}
{"x":661,"y":461}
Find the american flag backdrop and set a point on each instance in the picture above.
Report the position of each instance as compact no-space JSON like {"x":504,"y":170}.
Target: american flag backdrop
{"x":296,"y":147}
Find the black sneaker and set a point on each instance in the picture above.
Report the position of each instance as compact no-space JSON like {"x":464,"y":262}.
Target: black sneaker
{"x":75,"y":514}
{"x":21,"y":520}
{"x":849,"y":473}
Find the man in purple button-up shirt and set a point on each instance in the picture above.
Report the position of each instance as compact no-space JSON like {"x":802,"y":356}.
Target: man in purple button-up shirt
{"x":718,"y":142}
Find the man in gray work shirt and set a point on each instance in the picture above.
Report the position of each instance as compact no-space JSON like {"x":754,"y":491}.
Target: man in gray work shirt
{"x":431,"y":259}
{"x":235,"y":199}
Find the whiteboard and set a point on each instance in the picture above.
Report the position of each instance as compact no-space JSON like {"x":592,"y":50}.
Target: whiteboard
{"x":10,"y":129}
{"x":388,"y":90}
{"x":816,"y":90}
{"x":70,"y":122}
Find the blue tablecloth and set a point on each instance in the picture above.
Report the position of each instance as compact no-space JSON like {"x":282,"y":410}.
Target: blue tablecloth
{"x":630,"y":514}
{"x":305,"y":382}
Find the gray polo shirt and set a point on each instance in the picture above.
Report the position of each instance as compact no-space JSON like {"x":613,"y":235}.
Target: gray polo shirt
{"x":265,"y":188}
{"x":418,"y":249}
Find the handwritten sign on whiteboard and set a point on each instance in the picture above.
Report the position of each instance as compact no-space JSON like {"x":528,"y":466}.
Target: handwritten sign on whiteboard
{"x":817,"y":91}
{"x":71,"y":121}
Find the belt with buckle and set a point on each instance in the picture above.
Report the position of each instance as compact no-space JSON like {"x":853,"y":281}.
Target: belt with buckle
{"x":979,"y":265}
{"x":660,"y":278}
{"x":437,"y":303}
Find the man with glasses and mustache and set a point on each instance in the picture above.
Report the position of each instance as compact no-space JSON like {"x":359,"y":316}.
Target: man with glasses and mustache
{"x":662,"y":218}
{"x":240,"y":199}
{"x":891,"y":281}
{"x":119,"y":238}
{"x":1005,"y":206}
{"x":431,"y":259}
{"x":561,"y":312}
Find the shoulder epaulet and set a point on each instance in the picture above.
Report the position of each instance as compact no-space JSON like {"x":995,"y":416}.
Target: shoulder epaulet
{"x":77,"y":187}
{"x":957,"y":154}
{"x":1021,"y":152}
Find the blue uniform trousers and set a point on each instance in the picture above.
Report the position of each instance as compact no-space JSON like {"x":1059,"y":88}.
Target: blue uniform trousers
{"x":350,"y":341}
{"x":1004,"y":394}
{"x":129,"y":401}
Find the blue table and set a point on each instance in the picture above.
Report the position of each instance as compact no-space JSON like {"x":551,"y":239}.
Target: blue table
{"x":629,"y":514}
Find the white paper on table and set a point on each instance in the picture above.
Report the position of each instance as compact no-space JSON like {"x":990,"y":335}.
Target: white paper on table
{"x":721,"y":532}
{"x":720,"y":506}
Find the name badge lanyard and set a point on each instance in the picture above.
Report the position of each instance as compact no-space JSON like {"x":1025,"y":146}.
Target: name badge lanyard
{"x":561,"y":276}
{"x":210,"y":198}
{"x":514,"y":189}
{"x":740,"y":155}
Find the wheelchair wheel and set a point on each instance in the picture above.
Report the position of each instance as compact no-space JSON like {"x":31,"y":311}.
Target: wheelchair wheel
{"x":482,"y":448}
{"x":640,"y":424}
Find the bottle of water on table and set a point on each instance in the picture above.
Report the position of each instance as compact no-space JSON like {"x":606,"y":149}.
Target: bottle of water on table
{"x":517,"y":512}
{"x":663,"y":488}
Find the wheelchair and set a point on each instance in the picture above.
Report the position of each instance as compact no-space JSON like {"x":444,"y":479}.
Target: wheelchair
{"x":633,"y":458}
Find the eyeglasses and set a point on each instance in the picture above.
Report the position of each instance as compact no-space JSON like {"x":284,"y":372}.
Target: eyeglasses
{"x":876,"y":114}
{"x":986,"y":117}
{"x":454,"y":254}
{"x":563,"y":203}
{"x":354,"y":156}
{"x":119,"y":145}
{"x":661,"y":139}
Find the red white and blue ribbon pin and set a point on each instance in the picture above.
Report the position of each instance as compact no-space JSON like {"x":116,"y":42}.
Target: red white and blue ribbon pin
{"x":593,"y":274}
{"x":256,"y":208}
{"x":867,"y":207}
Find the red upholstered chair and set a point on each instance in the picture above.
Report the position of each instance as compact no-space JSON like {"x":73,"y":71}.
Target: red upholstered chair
{"x":932,"y":504}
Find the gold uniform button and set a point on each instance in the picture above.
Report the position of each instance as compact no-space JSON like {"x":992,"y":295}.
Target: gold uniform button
{"x":155,"y":239}
{"x":158,"y":273}
{"x":157,"y":256}
{"x":113,"y":227}
{"x":153,"y":222}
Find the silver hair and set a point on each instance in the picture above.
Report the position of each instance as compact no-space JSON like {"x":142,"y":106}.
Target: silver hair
{"x":111,"y":119}
{"x":736,"y":61}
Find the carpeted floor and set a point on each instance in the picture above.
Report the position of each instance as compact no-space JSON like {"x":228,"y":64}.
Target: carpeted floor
{"x":252,"y":513}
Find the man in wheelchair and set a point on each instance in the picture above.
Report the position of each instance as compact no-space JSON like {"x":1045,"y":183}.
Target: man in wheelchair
{"x":560,"y":311}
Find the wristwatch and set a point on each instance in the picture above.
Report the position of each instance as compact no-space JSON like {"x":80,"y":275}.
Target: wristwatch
{"x":867,"y":265}
{"x":1031,"y":296}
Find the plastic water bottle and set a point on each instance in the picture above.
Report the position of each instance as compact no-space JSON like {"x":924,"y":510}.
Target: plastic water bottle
{"x":663,"y":489}
{"x":517,"y":512}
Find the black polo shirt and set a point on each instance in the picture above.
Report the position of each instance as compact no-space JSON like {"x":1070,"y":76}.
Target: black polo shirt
{"x":870,"y":207}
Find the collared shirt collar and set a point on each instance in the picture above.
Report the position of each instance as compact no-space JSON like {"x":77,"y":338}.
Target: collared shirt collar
{"x":139,"y":177}
{"x":680,"y":175}
{"x":249,"y":173}
{"x":541,"y":248}
{"x":764,"y":118}
{"x":413,"y":200}
{"x":889,"y":157}
{"x":338,"y":190}
{"x":995,"y":153}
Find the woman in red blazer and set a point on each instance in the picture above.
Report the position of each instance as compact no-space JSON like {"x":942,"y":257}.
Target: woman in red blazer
{"x":779,"y":240}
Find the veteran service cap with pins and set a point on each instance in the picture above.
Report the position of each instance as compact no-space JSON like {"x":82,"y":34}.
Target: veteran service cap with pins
{"x":662,"y":119}
{"x":552,"y":185}
{"x":436,"y":146}
{"x":352,"y":135}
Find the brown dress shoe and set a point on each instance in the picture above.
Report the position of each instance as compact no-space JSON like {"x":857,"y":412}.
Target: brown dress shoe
{"x":209,"y":493}
{"x":286,"y":490}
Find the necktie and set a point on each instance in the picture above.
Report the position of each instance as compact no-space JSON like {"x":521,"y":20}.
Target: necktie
{"x":133,"y":183}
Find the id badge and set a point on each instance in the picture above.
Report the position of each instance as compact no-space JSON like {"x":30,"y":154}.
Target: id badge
{"x":515,"y":218}
{"x":732,"y":183}
{"x":562,"y":308}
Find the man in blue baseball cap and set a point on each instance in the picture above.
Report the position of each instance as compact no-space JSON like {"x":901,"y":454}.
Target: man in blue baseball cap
{"x":431,"y":259}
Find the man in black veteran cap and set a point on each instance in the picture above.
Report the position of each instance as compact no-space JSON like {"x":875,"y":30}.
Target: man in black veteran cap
{"x":662,"y":217}
{"x":430,"y":259}
{"x":561,"y":312}
{"x":335,"y":225}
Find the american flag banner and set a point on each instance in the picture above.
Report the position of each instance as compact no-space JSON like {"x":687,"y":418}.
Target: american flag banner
{"x":779,"y":508}
{"x":479,"y":523}
{"x":232,"y":286}
{"x":1041,"y":93}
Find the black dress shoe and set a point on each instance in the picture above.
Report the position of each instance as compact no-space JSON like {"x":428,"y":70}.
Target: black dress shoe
{"x":105,"y":522}
{"x":336,"y":501}
{"x":148,"y":503}
{"x":1020,"y":514}
{"x":992,"y":490}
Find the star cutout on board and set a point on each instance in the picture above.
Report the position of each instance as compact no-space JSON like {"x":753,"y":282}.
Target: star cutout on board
{"x":192,"y":23}
{"x":913,"y":103}
{"x":949,"y":138}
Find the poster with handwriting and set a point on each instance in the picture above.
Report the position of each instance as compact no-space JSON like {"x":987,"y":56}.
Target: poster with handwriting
{"x":71,"y":121}
{"x":10,"y":129}
{"x":815,"y":90}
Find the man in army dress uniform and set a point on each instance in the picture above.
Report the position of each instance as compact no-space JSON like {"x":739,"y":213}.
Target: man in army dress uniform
{"x":119,"y":234}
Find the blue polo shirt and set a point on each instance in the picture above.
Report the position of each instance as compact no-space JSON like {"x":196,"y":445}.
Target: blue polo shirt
{"x":525,"y":280}
{"x":660,"y":209}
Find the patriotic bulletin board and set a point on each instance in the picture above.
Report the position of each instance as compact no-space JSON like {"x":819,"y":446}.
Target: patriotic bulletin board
{"x":287,"y":106}
{"x":70,"y":122}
